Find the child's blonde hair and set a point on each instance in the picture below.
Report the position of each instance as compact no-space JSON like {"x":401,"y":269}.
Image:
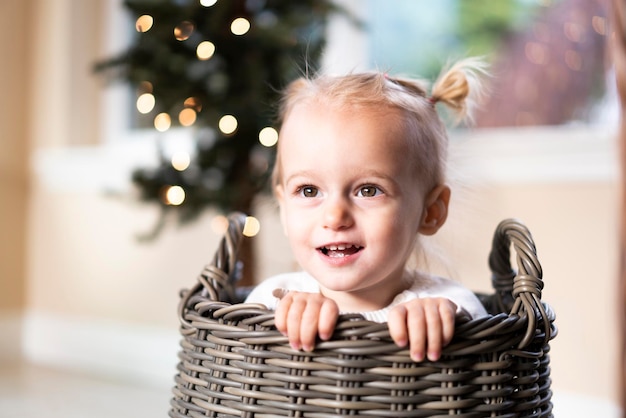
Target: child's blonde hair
{"x":458,"y":88}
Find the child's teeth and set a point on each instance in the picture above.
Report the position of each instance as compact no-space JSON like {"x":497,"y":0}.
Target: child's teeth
{"x":338,"y":247}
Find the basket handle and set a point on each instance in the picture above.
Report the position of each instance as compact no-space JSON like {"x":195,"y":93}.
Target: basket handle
{"x":217,"y":280}
{"x":520,"y":291}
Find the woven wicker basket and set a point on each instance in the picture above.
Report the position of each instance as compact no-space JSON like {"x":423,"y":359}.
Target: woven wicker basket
{"x":234,"y":363}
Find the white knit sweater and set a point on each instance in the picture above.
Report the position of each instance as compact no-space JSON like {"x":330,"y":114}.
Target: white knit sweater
{"x":424,"y":286}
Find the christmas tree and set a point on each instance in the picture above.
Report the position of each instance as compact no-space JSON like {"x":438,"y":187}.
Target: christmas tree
{"x":217,"y":66}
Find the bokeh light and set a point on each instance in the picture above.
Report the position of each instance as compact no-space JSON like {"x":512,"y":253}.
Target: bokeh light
{"x":193,"y":103}
{"x":208,"y":3}
{"x":536,"y":53}
{"x":240,"y":26}
{"x":187,"y":116}
{"x":183,"y":30}
{"x":144,"y":23}
{"x":573,"y":31}
{"x":205,"y":50}
{"x":181,"y":160}
{"x":145,"y":103}
{"x":268,"y":136}
{"x":174,"y":195}
{"x":251,"y":227}
{"x":162,"y":122}
{"x":599,"y":24}
{"x":145,"y":87}
{"x":228,"y":124}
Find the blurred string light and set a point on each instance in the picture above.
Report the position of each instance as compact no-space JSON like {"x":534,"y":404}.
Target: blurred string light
{"x":193,"y":103}
{"x":268,"y":136}
{"x":240,"y":26}
{"x":144,"y":23}
{"x":145,"y":103}
{"x":181,"y":160}
{"x":536,"y":53}
{"x":573,"y":31}
{"x":208,"y":3}
{"x":145,"y":87}
{"x":162,"y":122}
{"x":205,"y":50}
{"x":563,"y":49}
{"x":251,"y":226}
{"x":173,"y":195}
{"x":599,"y":25}
{"x":183,"y":30}
{"x":187,"y":117}
{"x":228,"y":124}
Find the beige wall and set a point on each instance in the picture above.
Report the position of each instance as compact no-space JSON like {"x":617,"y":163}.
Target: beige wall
{"x":575,"y":229}
{"x":14,"y":142}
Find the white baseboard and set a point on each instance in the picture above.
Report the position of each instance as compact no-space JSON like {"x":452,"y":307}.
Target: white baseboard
{"x":577,"y":405}
{"x":107,"y":348}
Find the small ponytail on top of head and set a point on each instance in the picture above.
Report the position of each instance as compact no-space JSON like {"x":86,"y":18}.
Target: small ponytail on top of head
{"x":460,"y":87}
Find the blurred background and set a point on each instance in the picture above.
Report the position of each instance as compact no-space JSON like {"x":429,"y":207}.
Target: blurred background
{"x":129,"y":129}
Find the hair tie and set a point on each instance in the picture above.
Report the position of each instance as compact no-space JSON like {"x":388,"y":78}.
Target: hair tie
{"x":433,"y":100}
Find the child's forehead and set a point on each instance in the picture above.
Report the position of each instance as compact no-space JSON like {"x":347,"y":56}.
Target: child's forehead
{"x":314,"y":106}
{"x":311,"y":127}
{"x":345,"y":123}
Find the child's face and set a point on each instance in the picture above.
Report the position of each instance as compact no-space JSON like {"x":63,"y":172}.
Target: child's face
{"x":350,"y":203}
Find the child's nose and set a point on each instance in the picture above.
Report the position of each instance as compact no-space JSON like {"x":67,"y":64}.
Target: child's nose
{"x":337,"y":214}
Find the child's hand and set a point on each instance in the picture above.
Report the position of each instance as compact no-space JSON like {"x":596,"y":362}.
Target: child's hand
{"x":303,"y":316}
{"x":427,"y":325}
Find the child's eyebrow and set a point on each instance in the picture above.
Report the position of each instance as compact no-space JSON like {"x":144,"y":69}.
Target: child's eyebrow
{"x":304,"y":173}
{"x":365,"y":175}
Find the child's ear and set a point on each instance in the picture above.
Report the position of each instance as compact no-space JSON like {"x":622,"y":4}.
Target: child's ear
{"x":279,"y":193}
{"x":435,"y":210}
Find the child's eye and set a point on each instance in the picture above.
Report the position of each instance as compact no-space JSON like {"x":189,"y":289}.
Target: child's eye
{"x":369,"y":191}
{"x":308,"y":191}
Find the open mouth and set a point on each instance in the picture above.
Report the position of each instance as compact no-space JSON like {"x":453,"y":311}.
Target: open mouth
{"x":341,"y":250}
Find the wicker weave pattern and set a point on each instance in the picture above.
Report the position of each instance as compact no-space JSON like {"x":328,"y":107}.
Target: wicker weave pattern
{"x":234,"y":363}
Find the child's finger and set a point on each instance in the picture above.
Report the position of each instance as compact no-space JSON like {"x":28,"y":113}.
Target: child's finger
{"x":281,"y":313}
{"x":309,"y":324}
{"x":327,"y":320}
{"x":416,"y":323}
{"x":397,"y":323}
{"x":294,"y":321}
{"x":448,"y":317}
{"x":434,"y":331}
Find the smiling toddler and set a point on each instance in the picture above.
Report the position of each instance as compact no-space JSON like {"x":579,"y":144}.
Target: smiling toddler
{"x":359,"y":176}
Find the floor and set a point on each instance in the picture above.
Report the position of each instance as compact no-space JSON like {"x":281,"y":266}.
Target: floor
{"x":29,"y":392}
